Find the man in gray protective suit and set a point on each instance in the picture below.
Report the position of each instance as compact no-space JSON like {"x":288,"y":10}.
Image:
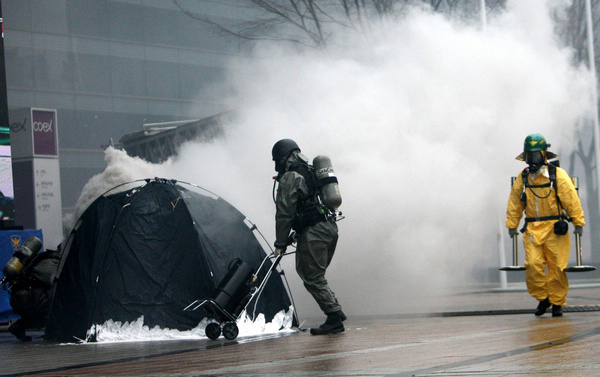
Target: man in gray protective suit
{"x":317,"y":234}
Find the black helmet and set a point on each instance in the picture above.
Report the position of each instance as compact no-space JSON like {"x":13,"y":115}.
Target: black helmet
{"x":283,"y":148}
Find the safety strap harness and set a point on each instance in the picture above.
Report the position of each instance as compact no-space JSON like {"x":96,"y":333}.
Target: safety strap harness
{"x":545,"y":218}
{"x":551,"y":184}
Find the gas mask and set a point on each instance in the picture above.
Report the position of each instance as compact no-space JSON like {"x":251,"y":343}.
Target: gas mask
{"x":535,"y":160}
{"x":280,"y":166}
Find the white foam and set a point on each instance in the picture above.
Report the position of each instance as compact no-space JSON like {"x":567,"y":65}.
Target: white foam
{"x":135,"y":331}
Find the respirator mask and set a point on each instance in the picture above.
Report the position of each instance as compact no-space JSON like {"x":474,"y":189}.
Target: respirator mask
{"x":280,"y":167}
{"x":535,"y":160}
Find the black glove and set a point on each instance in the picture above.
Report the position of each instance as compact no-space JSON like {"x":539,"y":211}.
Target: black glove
{"x":279,"y":249}
{"x":512,"y":232}
{"x":293,"y":238}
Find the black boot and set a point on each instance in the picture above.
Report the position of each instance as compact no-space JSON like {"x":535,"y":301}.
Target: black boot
{"x":543,"y":305}
{"x":343,"y":316}
{"x":19,"y":332}
{"x":556,"y":311}
{"x":332,"y":325}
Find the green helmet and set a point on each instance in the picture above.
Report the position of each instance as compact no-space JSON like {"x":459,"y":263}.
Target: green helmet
{"x":535,"y":142}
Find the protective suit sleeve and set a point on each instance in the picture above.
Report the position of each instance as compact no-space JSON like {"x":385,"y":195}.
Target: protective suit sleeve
{"x":569,"y":198}
{"x":291,"y":189}
{"x":514,"y":210}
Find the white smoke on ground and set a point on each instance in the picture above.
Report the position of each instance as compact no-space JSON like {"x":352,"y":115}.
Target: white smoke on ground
{"x":422,"y":120}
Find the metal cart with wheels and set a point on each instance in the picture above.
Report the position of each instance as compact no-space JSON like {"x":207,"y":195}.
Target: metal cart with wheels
{"x":234,"y":293}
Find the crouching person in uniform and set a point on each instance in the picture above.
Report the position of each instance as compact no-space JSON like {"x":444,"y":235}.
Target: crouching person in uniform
{"x":317,"y":234}
{"x":30,"y":294}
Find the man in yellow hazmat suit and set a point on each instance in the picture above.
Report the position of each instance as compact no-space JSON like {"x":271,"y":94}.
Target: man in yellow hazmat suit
{"x":545,"y":192}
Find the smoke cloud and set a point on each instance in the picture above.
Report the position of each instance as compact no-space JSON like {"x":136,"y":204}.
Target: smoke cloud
{"x":422,"y":120}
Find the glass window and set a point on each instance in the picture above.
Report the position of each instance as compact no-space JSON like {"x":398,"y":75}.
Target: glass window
{"x":48,"y":16}
{"x":125,"y":22}
{"x":127,"y":76}
{"x":93,"y":73}
{"x":162,"y":79}
{"x":88,"y":17}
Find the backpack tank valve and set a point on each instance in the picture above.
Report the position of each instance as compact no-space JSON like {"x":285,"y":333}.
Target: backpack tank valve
{"x":21,"y":258}
{"x":327,"y":182}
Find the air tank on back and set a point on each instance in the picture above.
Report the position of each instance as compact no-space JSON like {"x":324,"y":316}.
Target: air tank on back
{"x":327,"y":182}
{"x":21,"y":258}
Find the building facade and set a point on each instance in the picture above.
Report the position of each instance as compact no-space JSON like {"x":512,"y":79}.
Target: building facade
{"x":110,"y":66}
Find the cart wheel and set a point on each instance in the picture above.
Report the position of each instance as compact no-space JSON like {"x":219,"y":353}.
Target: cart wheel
{"x":212,"y":330}
{"x":230,"y":330}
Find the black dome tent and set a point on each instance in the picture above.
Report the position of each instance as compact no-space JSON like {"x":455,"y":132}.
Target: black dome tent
{"x":150,"y":251}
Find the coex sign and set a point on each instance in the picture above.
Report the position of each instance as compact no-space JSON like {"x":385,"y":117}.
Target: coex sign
{"x":43,"y":128}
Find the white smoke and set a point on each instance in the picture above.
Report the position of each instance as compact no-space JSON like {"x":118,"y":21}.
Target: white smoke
{"x":120,"y":169}
{"x":422,"y":120}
